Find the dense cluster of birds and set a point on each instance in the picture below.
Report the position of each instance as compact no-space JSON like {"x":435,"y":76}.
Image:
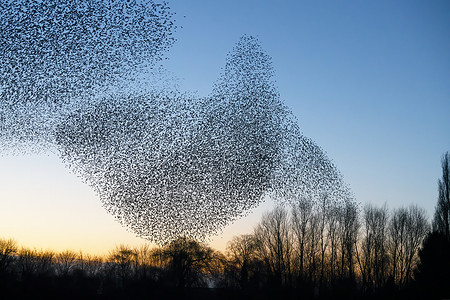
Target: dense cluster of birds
{"x":164,"y":163}
{"x":54,"y":53}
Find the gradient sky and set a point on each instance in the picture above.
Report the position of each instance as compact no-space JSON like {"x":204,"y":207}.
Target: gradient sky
{"x":369,"y":82}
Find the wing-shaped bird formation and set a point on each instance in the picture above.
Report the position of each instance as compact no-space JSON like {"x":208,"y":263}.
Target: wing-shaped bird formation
{"x":165,"y":164}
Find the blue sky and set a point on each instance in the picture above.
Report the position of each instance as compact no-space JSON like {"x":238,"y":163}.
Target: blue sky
{"x":369,"y":81}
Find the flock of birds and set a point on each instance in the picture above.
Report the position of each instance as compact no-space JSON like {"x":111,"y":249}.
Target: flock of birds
{"x":164,"y":163}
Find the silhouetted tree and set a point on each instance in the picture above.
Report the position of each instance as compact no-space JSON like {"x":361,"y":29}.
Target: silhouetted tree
{"x":326,"y":225}
{"x":373,"y":256}
{"x":332,"y":235}
{"x":241,"y":253}
{"x":275,"y":242}
{"x":312,"y":252}
{"x":189,"y":262}
{"x":348,"y":232}
{"x":27,"y":262}
{"x":7,"y":249}
{"x":433,"y":271}
{"x":124,"y":259}
{"x":407,"y":229}
{"x":45,"y":260}
{"x":302,"y":213}
{"x":91,"y":265}
{"x":442,"y":212}
{"x":65,"y":262}
{"x":313,"y":247}
{"x":144,"y":263}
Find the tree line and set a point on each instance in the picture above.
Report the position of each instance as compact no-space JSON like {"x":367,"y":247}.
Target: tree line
{"x":316,"y":249}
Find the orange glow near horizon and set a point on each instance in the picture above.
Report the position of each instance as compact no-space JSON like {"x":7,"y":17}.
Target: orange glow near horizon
{"x":44,"y":206}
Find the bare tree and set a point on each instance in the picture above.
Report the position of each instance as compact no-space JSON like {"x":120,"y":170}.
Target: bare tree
{"x":373,"y":256}
{"x":442,"y":213}
{"x":332,"y":235}
{"x":326,"y":229}
{"x":144,"y":261}
{"x":275,"y":244}
{"x":7,"y":249}
{"x":90,"y":264}
{"x":188,"y":262}
{"x":27,"y":262}
{"x":348,"y":233}
{"x":302,"y":213}
{"x":143,"y":255}
{"x":241,"y":252}
{"x":34,"y":262}
{"x":65,"y":262}
{"x":407,"y":229}
{"x":45,"y":262}
{"x":124,"y":260}
{"x":313,"y":249}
